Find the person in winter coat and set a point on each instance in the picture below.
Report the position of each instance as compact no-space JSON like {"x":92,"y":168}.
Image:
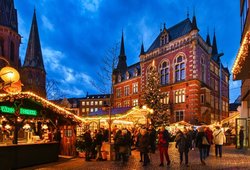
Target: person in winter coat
{"x":163,"y":143}
{"x":99,"y":140}
{"x":116,"y":145}
{"x":88,"y":142}
{"x":123,"y":145}
{"x":144,"y":146}
{"x":200,"y":146}
{"x":209,"y":134}
{"x":183,"y":143}
{"x":219,"y":139}
{"x":152,"y":138}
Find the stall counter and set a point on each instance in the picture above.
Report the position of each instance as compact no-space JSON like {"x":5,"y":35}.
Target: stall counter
{"x":25,"y":155}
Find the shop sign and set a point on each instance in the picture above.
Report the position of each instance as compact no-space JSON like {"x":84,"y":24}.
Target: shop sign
{"x":23,"y":111}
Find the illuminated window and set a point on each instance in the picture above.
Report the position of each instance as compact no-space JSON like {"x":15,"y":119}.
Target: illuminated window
{"x":126,"y":103}
{"x":87,"y":109}
{"x":180,"y":73}
{"x":118,"y":104}
{"x":135,"y":88}
{"x":180,"y":96}
{"x":87,"y":103}
{"x":165,"y":100}
{"x":83,"y":103}
{"x":83,"y":110}
{"x":164,"y":73}
{"x":135,"y":102}
{"x":96,"y":109}
{"x":96,"y":102}
{"x":92,"y":103}
{"x":100,"y":102}
{"x":91,"y":109}
{"x":118,"y":92}
{"x":126,"y":90}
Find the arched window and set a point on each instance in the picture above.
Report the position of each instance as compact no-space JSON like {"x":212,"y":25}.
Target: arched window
{"x":164,"y":72}
{"x":12,"y":51}
{"x":180,"y":73}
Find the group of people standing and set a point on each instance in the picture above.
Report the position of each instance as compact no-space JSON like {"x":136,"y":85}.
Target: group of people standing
{"x":204,"y":138}
{"x":146,"y":140}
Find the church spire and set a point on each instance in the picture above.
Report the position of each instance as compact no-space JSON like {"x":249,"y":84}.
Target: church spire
{"x":122,"y":49}
{"x":194,"y":23}
{"x":214,"y":46}
{"x":142,"y":49}
{"x":208,"y":39}
{"x":8,"y":14}
{"x":33,"y":56}
{"x":122,"y":64}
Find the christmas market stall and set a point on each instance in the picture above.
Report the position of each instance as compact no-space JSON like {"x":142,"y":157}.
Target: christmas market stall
{"x":34,"y":130}
{"x":124,"y":117}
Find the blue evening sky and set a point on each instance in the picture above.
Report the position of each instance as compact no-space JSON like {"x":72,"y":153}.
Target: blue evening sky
{"x":75,"y":34}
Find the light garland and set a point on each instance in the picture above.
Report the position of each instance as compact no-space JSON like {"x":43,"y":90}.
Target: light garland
{"x":44,"y":102}
{"x":242,"y":54}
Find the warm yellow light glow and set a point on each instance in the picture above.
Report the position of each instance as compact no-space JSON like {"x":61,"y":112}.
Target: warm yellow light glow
{"x":9,"y":74}
{"x":242,"y":54}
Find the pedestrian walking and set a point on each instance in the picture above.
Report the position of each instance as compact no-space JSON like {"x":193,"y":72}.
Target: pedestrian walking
{"x":241,"y":136}
{"x":163,"y":143}
{"x":219,"y":139}
{"x":183,"y":142}
{"x":200,"y":145}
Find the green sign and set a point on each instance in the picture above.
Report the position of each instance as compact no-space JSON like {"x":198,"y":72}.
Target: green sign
{"x":23,"y":111}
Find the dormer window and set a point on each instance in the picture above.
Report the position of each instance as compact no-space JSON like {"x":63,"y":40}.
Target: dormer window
{"x":127,"y":75}
{"x":135,"y":72}
{"x":119,"y":78}
{"x":164,"y":37}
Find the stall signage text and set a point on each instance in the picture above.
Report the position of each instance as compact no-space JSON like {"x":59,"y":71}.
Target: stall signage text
{"x":23,"y":111}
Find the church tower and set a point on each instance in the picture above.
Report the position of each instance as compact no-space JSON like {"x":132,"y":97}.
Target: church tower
{"x":9,"y":38}
{"x":33,"y":71}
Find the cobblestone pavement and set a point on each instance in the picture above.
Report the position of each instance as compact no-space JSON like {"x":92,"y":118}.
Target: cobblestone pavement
{"x":231,"y":159}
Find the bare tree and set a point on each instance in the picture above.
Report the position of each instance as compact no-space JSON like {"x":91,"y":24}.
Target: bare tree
{"x":104,"y":74}
{"x":53,"y":90}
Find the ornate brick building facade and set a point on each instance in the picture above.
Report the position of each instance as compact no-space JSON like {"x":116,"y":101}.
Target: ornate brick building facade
{"x":191,"y":74}
{"x":32,"y":72}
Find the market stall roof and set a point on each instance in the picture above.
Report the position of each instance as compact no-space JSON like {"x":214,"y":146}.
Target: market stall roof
{"x":34,"y":101}
{"x":232,"y":117}
{"x":135,"y":114}
{"x":183,"y":123}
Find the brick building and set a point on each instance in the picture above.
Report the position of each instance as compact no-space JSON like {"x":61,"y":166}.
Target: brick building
{"x":191,"y":74}
{"x":32,"y":72}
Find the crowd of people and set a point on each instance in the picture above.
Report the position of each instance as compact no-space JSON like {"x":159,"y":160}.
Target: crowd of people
{"x":146,"y":140}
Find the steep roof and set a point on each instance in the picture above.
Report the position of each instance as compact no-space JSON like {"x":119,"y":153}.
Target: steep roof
{"x":34,"y":56}
{"x":8,"y":14}
{"x":176,"y":31}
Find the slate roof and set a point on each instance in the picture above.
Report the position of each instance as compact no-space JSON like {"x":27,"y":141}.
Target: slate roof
{"x":114,"y":111}
{"x":131,"y":70}
{"x":33,"y":57}
{"x":176,"y":31}
{"x":233,"y":106}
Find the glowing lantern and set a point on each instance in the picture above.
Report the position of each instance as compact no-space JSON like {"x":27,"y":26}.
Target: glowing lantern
{"x":9,"y":74}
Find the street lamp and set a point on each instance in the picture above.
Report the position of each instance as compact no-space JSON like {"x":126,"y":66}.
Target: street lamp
{"x":11,"y":78}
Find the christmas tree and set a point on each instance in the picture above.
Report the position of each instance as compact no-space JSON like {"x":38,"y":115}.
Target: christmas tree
{"x":153,"y":98}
